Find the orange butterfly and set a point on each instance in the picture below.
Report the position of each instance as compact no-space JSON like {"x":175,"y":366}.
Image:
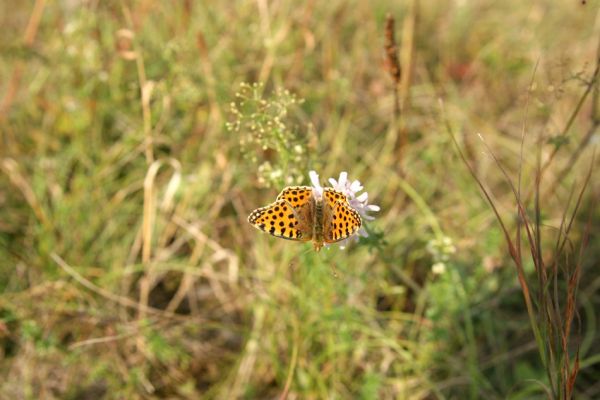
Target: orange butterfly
{"x":299,"y":213}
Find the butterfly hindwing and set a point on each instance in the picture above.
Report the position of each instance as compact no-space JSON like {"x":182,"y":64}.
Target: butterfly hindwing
{"x":340,"y":221}
{"x":280,"y":219}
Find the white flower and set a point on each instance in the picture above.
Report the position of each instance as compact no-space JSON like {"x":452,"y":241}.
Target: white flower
{"x":360,"y":203}
{"x":441,"y":248}
{"x":438,"y":268}
{"x":314,"y":179}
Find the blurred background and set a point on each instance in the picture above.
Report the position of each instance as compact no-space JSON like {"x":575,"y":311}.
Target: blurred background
{"x":137,"y":136}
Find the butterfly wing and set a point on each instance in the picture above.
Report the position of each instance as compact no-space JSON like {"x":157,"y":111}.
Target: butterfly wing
{"x":289,"y":217}
{"x":340,"y":220}
{"x":332,"y":196}
{"x":297,"y":196}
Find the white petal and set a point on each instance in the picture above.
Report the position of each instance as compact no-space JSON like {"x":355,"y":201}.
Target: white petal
{"x":373,"y":207}
{"x":343,"y":178}
{"x":314,"y":178}
{"x":356,"y":187}
{"x":357,"y":205}
{"x":363,"y":197}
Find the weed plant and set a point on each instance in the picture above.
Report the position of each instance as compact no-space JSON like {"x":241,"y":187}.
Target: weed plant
{"x":136,"y":137}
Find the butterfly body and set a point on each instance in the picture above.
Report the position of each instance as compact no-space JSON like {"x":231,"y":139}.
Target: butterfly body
{"x":318,"y":236}
{"x":303,"y":214}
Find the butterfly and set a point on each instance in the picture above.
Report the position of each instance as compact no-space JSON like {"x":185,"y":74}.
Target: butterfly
{"x":299,"y":213}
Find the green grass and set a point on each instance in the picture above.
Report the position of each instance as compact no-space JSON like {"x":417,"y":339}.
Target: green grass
{"x":136,"y":137}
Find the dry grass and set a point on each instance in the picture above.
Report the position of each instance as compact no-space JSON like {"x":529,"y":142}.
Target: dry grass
{"x":128,"y":166}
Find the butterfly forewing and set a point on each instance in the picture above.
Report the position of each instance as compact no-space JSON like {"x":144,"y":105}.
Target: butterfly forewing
{"x":297,"y":196}
{"x":282,"y":220}
{"x":332,"y":196}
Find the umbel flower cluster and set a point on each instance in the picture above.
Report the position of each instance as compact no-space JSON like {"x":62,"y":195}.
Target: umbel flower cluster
{"x":360,"y":202}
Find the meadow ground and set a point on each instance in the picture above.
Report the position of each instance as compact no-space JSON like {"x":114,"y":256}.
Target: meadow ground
{"x":137,"y":136}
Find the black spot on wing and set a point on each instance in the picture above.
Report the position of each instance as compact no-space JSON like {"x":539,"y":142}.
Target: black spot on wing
{"x":296,"y":196}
